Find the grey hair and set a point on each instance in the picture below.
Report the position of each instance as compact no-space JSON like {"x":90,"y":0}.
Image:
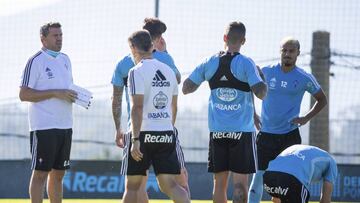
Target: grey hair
{"x":44,"y":29}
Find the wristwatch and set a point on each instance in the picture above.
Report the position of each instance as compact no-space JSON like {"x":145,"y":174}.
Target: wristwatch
{"x":134,"y":139}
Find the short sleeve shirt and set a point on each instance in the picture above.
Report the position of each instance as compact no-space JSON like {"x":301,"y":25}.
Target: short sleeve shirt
{"x":124,"y":65}
{"x":157,"y":82}
{"x":283,"y":100}
{"x":229,"y":110}
{"x":312,"y":164}
{"x":45,"y":72}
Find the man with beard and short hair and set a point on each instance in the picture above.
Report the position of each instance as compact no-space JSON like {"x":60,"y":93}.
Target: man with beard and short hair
{"x":280,"y":119}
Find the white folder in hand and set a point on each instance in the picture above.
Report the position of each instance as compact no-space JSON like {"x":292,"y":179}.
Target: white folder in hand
{"x":84,"y":96}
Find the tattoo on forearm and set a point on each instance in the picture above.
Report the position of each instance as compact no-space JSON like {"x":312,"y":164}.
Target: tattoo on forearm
{"x":260,"y":90}
{"x":116,"y":110}
{"x":136,"y":120}
{"x":116,"y":106}
{"x":189,"y":86}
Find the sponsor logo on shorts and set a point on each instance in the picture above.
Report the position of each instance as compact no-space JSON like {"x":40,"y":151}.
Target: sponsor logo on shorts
{"x":159,"y":80}
{"x":159,"y":115}
{"x":66,"y":163}
{"x":160,"y":100}
{"x":149,"y":138}
{"x":226,"y":135}
{"x":226,"y":94}
{"x":276,"y":190}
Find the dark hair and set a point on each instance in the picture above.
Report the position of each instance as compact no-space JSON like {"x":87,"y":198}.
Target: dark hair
{"x":44,"y":30}
{"x":235,"y":31}
{"x":141,"y":40}
{"x":155,"y":27}
{"x":290,"y":40}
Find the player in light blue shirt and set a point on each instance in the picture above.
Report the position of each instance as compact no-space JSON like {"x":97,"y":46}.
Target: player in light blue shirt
{"x":280,"y":119}
{"x":232,"y":78}
{"x":281,"y":106}
{"x":119,"y":80}
{"x":227,"y":105}
{"x":290,"y":174}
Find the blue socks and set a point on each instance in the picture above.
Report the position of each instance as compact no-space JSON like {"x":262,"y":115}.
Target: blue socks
{"x":256,"y":187}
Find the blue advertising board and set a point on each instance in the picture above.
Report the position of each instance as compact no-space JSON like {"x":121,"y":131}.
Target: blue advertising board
{"x":101,"y":179}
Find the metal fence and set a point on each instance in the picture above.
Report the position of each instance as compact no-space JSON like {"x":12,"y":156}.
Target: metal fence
{"x":95,"y":38}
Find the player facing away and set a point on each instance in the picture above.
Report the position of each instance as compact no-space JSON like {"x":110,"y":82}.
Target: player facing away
{"x":119,"y":80}
{"x":232,"y":78}
{"x":280,"y":119}
{"x":45,"y":85}
{"x":289,"y":175}
{"x":153,"y":90}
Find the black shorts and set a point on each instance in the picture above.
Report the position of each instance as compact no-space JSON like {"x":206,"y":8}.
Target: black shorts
{"x":50,"y":149}
{"x":270,"y":145}
{"x":179,"y":152}
{"x":285,"y":187}
{"x":126,"y":153}
{"x":232,"y":151}
{"x":159,"y":149}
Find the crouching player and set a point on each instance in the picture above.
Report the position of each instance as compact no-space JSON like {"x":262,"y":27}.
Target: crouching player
{"x":289,"y":175}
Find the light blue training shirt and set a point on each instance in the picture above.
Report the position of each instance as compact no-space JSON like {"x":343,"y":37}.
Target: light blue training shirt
{"x":308,"y":164}
{"x":229,"y":110}
{"x":283,"y":100}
